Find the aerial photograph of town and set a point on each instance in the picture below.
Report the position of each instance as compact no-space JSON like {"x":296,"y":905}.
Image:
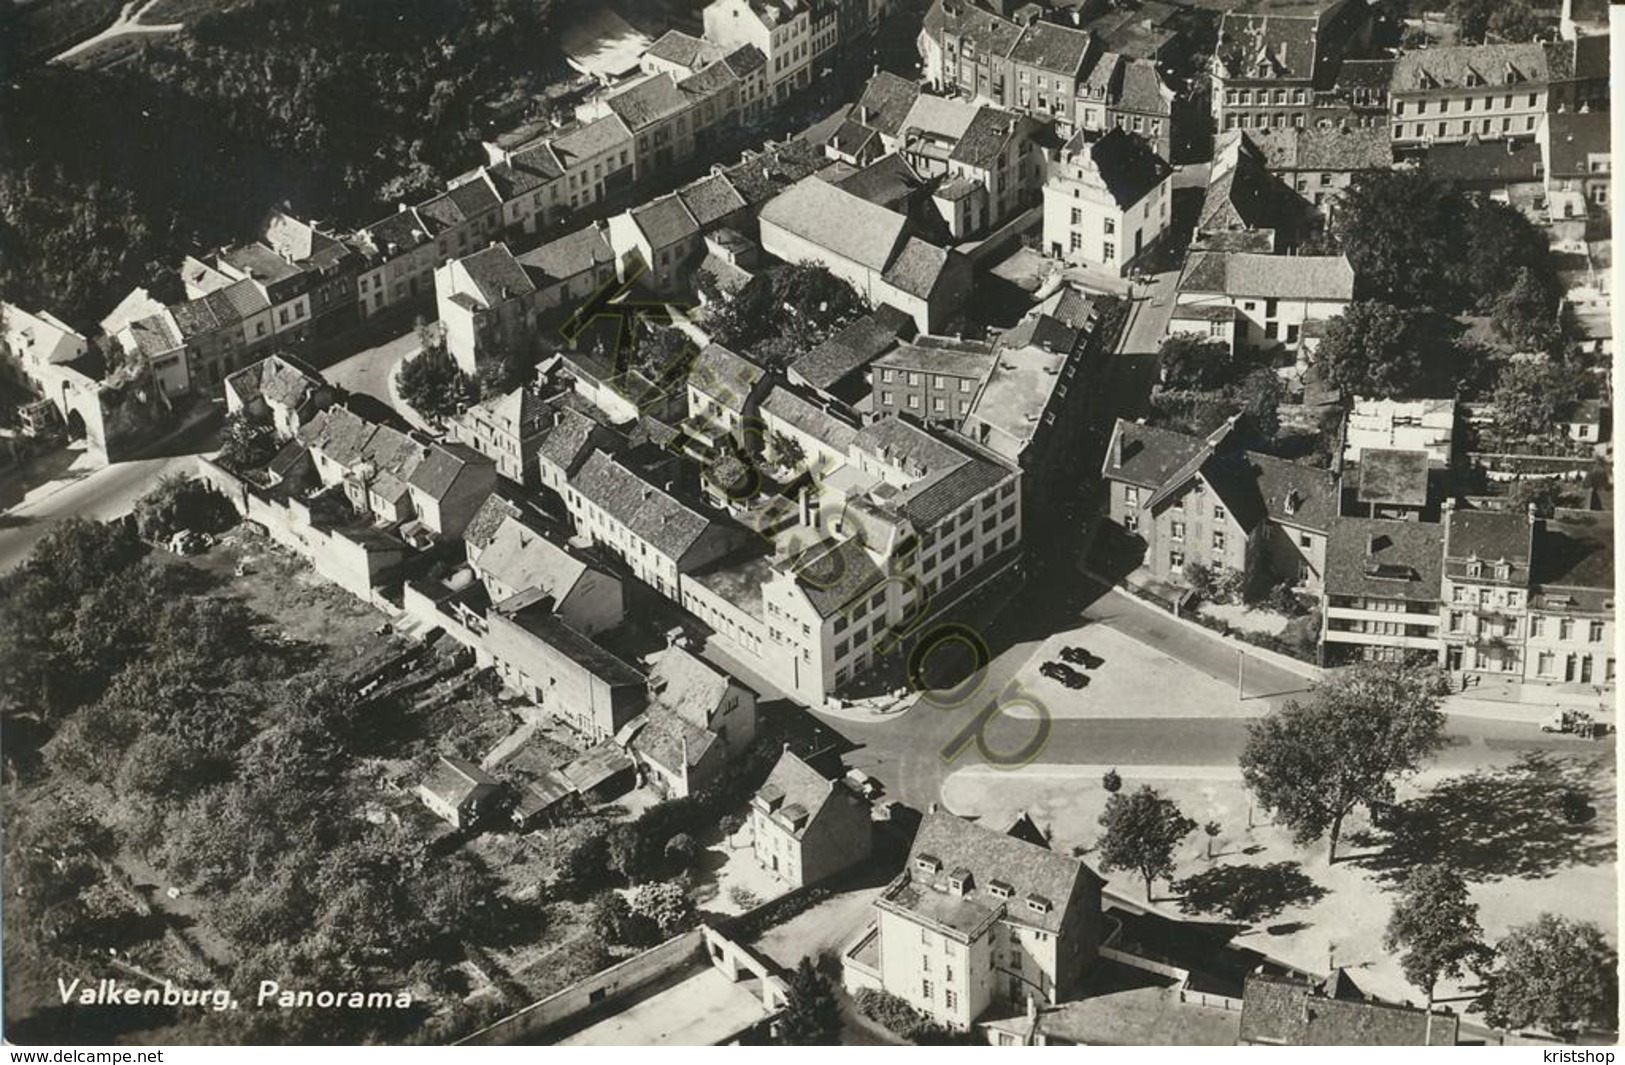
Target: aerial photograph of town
{"x":807,"y":522}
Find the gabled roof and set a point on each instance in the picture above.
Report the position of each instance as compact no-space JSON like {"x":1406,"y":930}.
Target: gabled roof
{"x":455,"y":780}
{"x":1127,"y":164}
{"x":1385,"y":559}
{"x":1574,"y":558}
{"x":569,"y":256}
{"x":885,"y":102}
{"x":838,"y":221}
{"x":525,"y":171}
{"x":1257,"y":487}
{"x":919,"y":267}
{"x":1149,"y":455}
{"x":591,"y":139}
{"x":955,"y":846}
{"x":441,"y":467}
{"x":648,"y":511}
{"x":1393,"y":476}
{"x":648,"y":102}
{"x":1144,"y":90}
{"x":888,"y":182}
{"x":1242,"y":194}
{"x":1052,"y":47}
{"x":832,"y":573}
{"x":397,"y":233}
{"x":1491,"y":535}
{"x":1347,"y":148}
{"x":155,"y":336}
{"x":724,"y":375}
{"x":496,"y":275}
{"x":280,"y":379}
{"x":940,"y":116}
{"x":687,"y":685}
{"x":1292,"y":1012}
{"x":708,"y":81}
{"x":1573,"y":138}
{"x":849,"y":350}
{"x":710,"y":199}
{"x":990,"y":33}
{"x":1267,"y":46}
{"x":1295,"y":277}
{"x":1467,"y":65}
{"x":745,"y":60}
{"x":762,"y":175}
{"x":817,"y":421}
{"x":691,"y":53}
{"x":665,"y":221}
{"x":521,"y":559}
{"x":986,"y":138}
{"x":488,"y":520}
{"x":794,"y":785}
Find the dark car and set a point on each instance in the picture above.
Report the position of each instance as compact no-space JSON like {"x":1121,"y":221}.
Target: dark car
{"x":1078,"y":656}
{"x":1065,"y":674}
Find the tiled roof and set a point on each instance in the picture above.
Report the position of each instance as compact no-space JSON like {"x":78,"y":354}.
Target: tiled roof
{"x":648,"y":102}
{"x":709,"y":81}
{"x":155,"y":336}
{"x":762,"y":175}
{"x":1341,"y":149}
{"x":675,"y":46}
{"x":338,"y":433}
{"x":1484,"y":162}
{"x":575,"y":645}
{"x":1105,"y":75}
{"x":745,"y":60}
{"x":488,"y":519}
{"x":888,"y":182}
{"x":569,"y":256}
{"x":990,"y":33}
{"x":1267,"y":46}
{"x":237,"y":301}
{"x":847,"y":351}
{"x":1258,"y":486}
{"x":670,"y":740}
{"x":1052,"y":47}
{"x":1492,"y":535}
{"x":809,"y":417}
{"x":1291,"y":1012}
{"x":455,"y":779}
{"x":710,"y":199}
{"x":194,"y":317}
{"x":836,"y":220}
{"x":1127,"y":164}
{"x":442,"y":466}
{"x":1462,"y":66}
{"x":964,"y":358}
{"x":259,"y":262}
{"x":591,"y":139}
{"x":918,"y":267}
{"x":1296,"y":277}
{"x":1028,"y":870}
{"x":403,"y":229}
{"x":570,"y":438}
{"x":794,"y":783}
{"x":940,"y":116}
{"x":521,"y":559}
{"x":908,"y":447}
{"x":1385,"y":559}
{"x":928,"y":502}
{"x":526,"y":171}
{"x":474,"y":198}
{"x":1243,"y":194}
{"x":652,"y":514}
{"x":834,"y":573}
{"x":1143,"y":89}
{"x":687,"y":685}
{"x":852,"y":138}
{"x":986,"y":137}
{"x":1149,"y":455}
{"x":665,"y":222}
{"x":885,"y":102}
{"x":724,"y":376}
{"x":497,"y":275}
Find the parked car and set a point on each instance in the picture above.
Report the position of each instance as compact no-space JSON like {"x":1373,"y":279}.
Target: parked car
{"x":1079,"y":656}
{"x":1064,"y":674}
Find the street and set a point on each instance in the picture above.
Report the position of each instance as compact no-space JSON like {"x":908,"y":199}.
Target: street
{"x":102,"y":494}
{"x":367,"y":372}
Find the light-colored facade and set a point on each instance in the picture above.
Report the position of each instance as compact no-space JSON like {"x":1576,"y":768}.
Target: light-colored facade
{"x":781,"y":29}
{"x":1267,"y":298}
{"x":805,"y":828}
{"x":1486,"y":589}
{"x":1451,"y":94}
{"x":1107,"y":202}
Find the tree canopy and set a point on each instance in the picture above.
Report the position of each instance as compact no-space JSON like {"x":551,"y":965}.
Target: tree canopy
{"x":1555,"y":973}
{"x":1313,"y":763}
{"x":1434,"y":924}
{"x":1531,"y":393}
{"x":1142,"y":828}
{"x":811,"y":1016}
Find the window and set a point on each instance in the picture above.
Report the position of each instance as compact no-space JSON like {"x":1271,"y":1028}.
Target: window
{"x":886,"y":375}
{"x":1303,"y":540}
{"x":1110,"y":250}
{"x":1546,"y":664}
{"x":1077,"y":216}
{"x":925,"y":988}
{"x":1565,"y":629}
{"x":950,"y":1000}
{"x":964,"y":384}
{"x":1131,"y":495}
{"x":886,"y":399}
{"x":913,"y":378}
{"x":1177,"y":530}
{"x":1176,"y":559}
{"x":1076,"y":243}
{"x":1131,"y":522}
{"x":937,"y":404}
{"x":1111,"y":226}
{"x":913,"y":402}
{"x":1218,"y":539}
{"x":1595,"y":634}
{"x":1537,"y":626}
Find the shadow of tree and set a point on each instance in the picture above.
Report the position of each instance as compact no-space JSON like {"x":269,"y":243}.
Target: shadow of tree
{"x":1248,"y":892}
{"x":1528,"y":819}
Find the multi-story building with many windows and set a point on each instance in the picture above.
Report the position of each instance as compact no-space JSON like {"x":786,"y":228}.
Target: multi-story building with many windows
{"x":1107,"y":202}
{"x":1486,"y":589}
{"x":979,"y":919}
{"x":1463,"y":92}
{"x":1381,"y":599}
{"x":1571,"y":601}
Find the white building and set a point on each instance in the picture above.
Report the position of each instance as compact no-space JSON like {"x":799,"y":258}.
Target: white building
{"x":1107,"y":202}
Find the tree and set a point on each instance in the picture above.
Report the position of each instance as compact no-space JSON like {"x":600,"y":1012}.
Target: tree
{"x":1366,"y":726}
{"x":1401,"y":230}
{"x":1111,"y":781}
{"x":681,"y":850}
{"x":180,"y":502}
{"x":630,"y":852}
{"x":811,"y":1016}
{"x":730,"y":825}
{"x":1372,"y":350}
{"x":1531,"y":393}
{"x":1545,"y":494}
{"x":434,"y":386}
{"x":667,"y":905}
{"x":1141,"y":831}
{"x":246,"y":442}
{"x":1435,"y":924}
{"x":1187,"y":361}
{"x":1525,"y":315}
{"x":1516,"y":23}
{"x":1498,"y":244}
{"x":787,"y":450}
{"x":1557,"y":974}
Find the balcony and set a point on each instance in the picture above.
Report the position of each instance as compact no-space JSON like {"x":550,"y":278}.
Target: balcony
{"x":1419,"y":643}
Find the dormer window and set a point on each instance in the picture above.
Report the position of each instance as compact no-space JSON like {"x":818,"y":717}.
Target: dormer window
{"x":960,"y":881}
{"x":1475,"y":568}
{"x":929,"y":864}
{"x":1038,"y":904}
{"x":999,"y":889}
{"x":1503,"y":571}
